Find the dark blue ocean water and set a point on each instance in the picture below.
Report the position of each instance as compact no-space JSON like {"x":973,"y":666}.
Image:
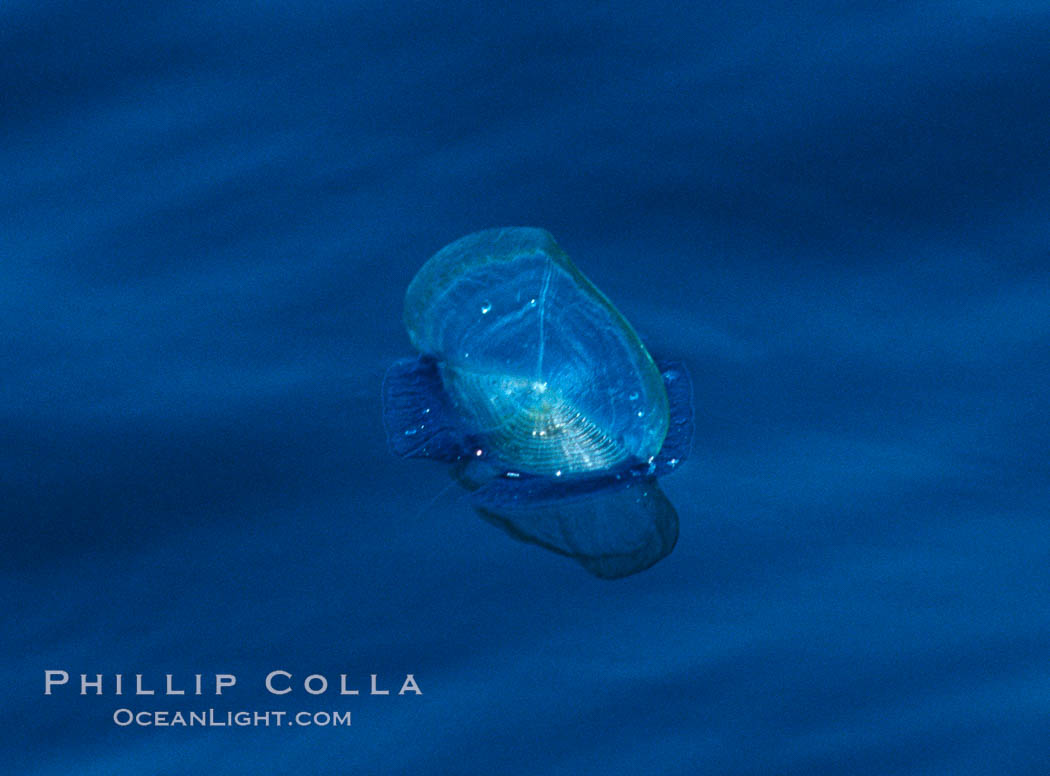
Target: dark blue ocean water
{"x":836,"y":214}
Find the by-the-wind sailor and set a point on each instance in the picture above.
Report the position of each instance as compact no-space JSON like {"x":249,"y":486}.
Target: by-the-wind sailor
{"x":545,"y":397}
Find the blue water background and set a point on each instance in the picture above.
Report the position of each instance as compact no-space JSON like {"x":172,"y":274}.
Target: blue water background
{"x":836,"y":214}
